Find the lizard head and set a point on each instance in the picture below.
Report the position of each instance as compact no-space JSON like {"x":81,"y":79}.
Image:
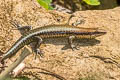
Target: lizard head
{"x":98,"y":32}
{"x":90,"y":32}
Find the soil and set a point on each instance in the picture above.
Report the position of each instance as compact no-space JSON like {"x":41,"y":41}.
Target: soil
{"x":96,"y":59}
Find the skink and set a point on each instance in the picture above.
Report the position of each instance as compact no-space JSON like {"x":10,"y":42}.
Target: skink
{"x":52,"y":31}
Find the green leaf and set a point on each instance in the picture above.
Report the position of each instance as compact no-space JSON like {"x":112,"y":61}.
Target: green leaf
{"x":92,"y":2}
{"x":50,"y":8}
{"x":47,"y":1}
{"x":45,"y":4}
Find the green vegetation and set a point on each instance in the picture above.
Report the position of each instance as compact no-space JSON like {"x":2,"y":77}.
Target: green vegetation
{"x":88,"y":78}
{"x":92,"y":2}
{"x":94,"y":76}
{"x":46,"y":3}
{"x":17,"y":78}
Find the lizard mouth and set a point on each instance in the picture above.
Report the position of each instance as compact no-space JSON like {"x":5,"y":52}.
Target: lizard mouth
{"x":100,"y":32}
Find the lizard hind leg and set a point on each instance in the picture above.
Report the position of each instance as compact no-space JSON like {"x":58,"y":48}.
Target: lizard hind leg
{"x":22,"y":29}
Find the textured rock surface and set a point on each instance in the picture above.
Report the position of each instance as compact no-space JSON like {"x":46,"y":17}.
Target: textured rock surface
{"x":98,"y":59}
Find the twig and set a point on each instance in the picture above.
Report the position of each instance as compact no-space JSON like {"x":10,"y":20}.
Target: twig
{"x":22,"y":56}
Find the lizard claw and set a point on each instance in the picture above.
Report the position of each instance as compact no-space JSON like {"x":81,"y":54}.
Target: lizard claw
{"x":38,"y":52}
{"x":75,"y":47}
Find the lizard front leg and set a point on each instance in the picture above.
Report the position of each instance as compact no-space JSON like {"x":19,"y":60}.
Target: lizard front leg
{"x":22,"y":29}
{"x":36,"y":45}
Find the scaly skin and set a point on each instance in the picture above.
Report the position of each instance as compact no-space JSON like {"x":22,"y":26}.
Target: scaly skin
{"x":53,"y":31}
